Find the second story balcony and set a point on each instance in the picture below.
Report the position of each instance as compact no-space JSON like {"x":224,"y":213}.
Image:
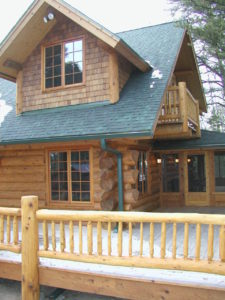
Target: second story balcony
{"x":179,"y":116}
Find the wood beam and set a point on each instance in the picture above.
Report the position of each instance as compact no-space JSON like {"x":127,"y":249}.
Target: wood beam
{"x":114,"y":77}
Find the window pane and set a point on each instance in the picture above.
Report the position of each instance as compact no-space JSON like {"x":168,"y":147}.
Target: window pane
{"x":49,"y":62}
{"x":80,"y":175}
{"x":48,"y":83}
{"x":69,"y":79}
{"x":57,"y":81}
{"x":219,"y":163}
{"x":64,"y":196}
{"x":48,"y":52}
{"x":78,"y":56}
{"x":78,"y":77}
{"x":69,"y":47}
{"x":196,"y":173}
{"x":57,"y":60}
{"x":69,"y":68}
{"x":85,"y":196}
{"x":170,"y":173}
{"x":78,"y":45}
{"x":53,"y":66}
{"x":75,"y":156}
{"x":57,"y":49}
{"x":57,"y":71}
{"x":76,"y":196}
{"x":58,"y":167}
{"x":73,"y":60}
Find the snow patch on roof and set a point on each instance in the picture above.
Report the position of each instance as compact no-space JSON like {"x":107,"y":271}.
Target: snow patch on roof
{"x":4,"y":109}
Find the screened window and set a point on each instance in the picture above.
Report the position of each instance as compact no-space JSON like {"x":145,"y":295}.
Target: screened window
{"x":219,"y":166}
{"x":64,"y":64}
{"x":142,"y":172}
{"x":196,"y":173}
{"x":170,"y":173}
{"x":70,"y":176}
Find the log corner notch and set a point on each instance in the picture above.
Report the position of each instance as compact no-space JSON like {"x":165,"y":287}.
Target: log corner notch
{"x":119,"y":171}
{"x":30,"y":280}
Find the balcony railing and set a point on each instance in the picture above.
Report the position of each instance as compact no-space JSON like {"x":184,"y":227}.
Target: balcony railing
{"x":180,"y":107}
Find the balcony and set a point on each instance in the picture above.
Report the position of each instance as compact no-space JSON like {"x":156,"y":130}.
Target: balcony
{"x":179,"y":116}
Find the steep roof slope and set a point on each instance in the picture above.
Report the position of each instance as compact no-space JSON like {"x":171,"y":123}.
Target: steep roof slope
{"x":134,"y":114}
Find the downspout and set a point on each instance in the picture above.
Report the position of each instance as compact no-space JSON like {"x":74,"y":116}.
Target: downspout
{"x":119,"y":171}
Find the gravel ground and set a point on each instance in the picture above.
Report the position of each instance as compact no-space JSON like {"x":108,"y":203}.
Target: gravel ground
{"x":11,"y":290}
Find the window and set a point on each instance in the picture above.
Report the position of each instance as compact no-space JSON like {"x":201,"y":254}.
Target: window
{"x":70,"y":176}
{"x":63,"y":64}
{"x":143,"y":173}
{"x":170,"y":173}
{"x":219,"y":165}
{"x":196,"y":173}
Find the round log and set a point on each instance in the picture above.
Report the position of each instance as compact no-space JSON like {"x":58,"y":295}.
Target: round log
{"x":130,"y":176}
{"x":106,"y":163}
{"x":130,"y":158}
{"x":131,"y":196}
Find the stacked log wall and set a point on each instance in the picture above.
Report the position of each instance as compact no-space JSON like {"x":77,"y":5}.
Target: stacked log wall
{"x":104,"y":180}
{"x":22,"y":172}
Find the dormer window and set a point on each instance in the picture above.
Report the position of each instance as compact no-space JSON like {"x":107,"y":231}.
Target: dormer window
{"x":63,"y":64}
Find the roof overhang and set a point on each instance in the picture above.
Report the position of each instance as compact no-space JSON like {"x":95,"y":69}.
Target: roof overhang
{"x":30,"y":30}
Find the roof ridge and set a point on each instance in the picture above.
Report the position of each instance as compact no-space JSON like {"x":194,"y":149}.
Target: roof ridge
{"x":148,"y":26}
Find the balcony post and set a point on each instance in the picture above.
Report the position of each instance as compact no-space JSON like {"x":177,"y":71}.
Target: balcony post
{"x":183,"y":105}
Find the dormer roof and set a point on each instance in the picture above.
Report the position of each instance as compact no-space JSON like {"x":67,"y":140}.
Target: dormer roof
{"x":31,"y":29}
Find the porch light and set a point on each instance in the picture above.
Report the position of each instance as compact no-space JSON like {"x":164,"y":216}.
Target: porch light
{"x":49,"y":17}
{"x":176,"y":160}
{"x":159,"y":160}
{"x":188,"y":160}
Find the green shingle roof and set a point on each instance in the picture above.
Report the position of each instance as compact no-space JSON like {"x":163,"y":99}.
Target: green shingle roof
{"x":133,"y":115}
{"x":209,"y":139}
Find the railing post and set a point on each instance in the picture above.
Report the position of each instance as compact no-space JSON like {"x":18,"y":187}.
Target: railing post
{"x":30,"y":280}
{"x":183,"y":105}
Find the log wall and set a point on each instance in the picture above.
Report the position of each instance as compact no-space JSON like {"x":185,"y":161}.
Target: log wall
{"x":22,"y":172}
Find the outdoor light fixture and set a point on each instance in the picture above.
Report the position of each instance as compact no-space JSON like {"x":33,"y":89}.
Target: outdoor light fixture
{"x":176,"y":160}
{"x":188,"y":160}
{"x":159,"y":160}
{"x":49,"y":17}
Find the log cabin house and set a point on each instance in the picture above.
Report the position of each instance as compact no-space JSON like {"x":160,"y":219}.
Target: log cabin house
{"x":94,"y":120}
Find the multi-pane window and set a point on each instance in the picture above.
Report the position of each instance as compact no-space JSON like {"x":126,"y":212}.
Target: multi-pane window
{"x":219,"y":166}
{"x":53,"y":66}
{"x":170,"y":173}
{"x":64,"y":64}
{"x":70,"y":176}
{"x":196,"y":173}
{"x":142,"y":172}
{"x":73,"y":59}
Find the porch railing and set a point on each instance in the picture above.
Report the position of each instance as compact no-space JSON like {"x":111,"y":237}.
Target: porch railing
{"x":88,"y":236}
{"x":180,"y":107}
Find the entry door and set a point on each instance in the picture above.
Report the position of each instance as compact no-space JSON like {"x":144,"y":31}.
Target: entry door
{"x":196,"y":180}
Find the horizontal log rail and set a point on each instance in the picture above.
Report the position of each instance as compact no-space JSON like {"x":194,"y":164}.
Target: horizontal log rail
{"x":9,"y":230}
{"x":76,"y":228}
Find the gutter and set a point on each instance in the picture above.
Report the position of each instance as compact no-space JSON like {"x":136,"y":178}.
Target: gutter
{"x":119,"y":170}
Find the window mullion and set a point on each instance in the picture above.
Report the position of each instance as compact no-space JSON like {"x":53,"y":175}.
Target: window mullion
{"x":69,"y":176}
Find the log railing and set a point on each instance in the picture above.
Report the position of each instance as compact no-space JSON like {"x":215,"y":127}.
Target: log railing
{"x":91,"y":233}
{"x":180,"y":107}
{"x":132,"y":239}
{"x":9,"y":230}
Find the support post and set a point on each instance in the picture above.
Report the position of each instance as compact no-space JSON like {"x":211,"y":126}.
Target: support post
{"x":30,"y":277}
{"x":183,"y":105}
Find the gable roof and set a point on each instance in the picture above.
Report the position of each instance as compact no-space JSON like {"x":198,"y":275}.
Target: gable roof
{"x":135,"y":114}
{"x":30,"y":30}
{"x":209,"y":139}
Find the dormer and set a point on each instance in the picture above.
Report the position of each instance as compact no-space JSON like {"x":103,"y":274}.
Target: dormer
{"x":59,"y":57}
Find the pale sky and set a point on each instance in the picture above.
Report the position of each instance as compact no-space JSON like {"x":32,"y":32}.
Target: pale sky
{"x":116,"y":15}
